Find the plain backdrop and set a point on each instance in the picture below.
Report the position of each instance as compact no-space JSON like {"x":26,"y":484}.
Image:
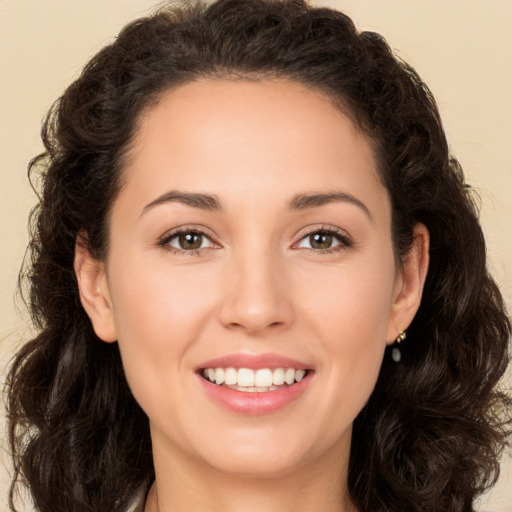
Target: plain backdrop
{"x":461,"y":48}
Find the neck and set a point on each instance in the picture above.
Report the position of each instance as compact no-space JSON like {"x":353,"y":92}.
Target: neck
{"x":270,"y":496}
{"x":182,"y":485}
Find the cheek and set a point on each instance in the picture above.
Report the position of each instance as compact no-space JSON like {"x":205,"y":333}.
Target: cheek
{"x":154,"y":301}
{"x":159,"y":314}
{"x":352,"y":303}
{"x":350,"y":320}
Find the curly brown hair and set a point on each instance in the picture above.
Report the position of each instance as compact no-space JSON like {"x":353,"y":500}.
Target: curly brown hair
{"x":431,"y":434}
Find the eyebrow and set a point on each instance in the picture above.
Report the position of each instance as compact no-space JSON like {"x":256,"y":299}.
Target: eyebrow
{"x":299,"y":202}
{"x":305,"y":201}
{"x":196,"y":200}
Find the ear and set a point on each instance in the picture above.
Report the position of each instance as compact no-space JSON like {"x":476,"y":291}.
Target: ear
{"x":409,"y":284}
{"x":93,"y":289}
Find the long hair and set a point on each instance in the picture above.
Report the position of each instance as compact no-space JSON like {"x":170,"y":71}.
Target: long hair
{"x":430,"y":436}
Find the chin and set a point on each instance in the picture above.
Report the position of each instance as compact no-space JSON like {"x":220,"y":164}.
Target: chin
{"x":262,"y":467}
{"x":272,"y":453}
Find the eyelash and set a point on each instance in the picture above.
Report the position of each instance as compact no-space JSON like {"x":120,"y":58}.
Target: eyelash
{"x":345,"y":241}
{"x":164,"y":242}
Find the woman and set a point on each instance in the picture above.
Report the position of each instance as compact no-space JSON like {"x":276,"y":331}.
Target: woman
{"x":259,"y":279}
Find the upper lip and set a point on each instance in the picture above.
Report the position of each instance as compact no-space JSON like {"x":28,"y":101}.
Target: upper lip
{"x":254,"y":362}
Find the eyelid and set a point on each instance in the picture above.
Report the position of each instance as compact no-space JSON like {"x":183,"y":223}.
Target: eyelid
{"x":344,"y":239}
{"x":163,"y":241}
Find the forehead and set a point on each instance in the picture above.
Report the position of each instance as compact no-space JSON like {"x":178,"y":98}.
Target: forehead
{"x":248,"y":138}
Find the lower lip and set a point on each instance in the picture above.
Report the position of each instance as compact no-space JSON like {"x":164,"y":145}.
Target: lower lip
{"x":256,"y":403}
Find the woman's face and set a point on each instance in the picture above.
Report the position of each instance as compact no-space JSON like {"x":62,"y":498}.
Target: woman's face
{"x":252,"y":232}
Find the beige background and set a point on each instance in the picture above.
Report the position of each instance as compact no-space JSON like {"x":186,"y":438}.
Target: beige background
{"x":462,"y":48}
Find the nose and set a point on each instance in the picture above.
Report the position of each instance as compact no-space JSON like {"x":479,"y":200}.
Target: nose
{"x":257,"y":296}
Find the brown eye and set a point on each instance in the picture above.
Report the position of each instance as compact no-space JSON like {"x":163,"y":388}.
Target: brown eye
{"x":320,"y":240}
{"x":190,"y":241}
{"x":324,"y":240}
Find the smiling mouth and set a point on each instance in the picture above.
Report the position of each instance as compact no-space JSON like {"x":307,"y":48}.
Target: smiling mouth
{"x":253,"y":381}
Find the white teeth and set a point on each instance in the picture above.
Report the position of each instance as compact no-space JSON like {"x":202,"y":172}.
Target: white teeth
{"x":254,"y":389}
{"x":278,"y":376}
{"x":219,"y":376}
{"x":230,"y":376}
{"x":299,"y":375}
{"x":246,"y":379}
{"x":289,"y":376}
{"x":263,"y":378}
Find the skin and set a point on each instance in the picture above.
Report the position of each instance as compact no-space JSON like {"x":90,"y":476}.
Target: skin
{"x":256,"y":286}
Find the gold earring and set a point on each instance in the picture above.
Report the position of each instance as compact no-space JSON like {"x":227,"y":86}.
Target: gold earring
{"x":396,"y":355}
{"x":401,"y":336}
